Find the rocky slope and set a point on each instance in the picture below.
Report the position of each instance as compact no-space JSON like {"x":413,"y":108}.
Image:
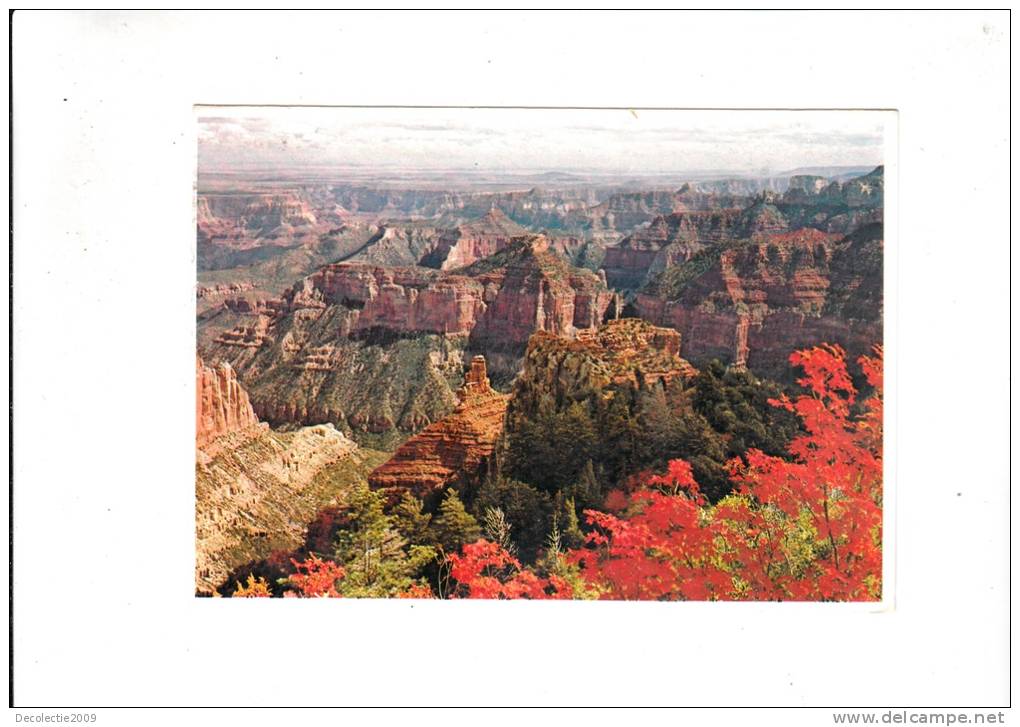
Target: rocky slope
{"x":453,"y":450}
{"x":255,"y":488}
{"x":473,"y":241}
{"x":671,"y":240}
{"x":377,"y":349}
{"x":753,"y":302}
{"x":398,"y":243}
{"x":270,"y":239}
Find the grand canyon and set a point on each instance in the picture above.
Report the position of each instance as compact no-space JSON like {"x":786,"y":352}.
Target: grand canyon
{"x":445,"y":382}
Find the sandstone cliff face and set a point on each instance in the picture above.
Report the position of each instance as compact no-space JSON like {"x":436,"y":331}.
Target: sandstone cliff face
{"x":402,"y":300}
{"x":753,"y":303}
{"x":381,"y":349}
{"x":221,"y":405}
{"x":503,"y":300}
{"x":673,"y":239}
{"x":628,"y":263}
{"x":772,"y":271}
{"x":530,"y":288}
{"x":454,"y":450}
{"x":473,"y":241}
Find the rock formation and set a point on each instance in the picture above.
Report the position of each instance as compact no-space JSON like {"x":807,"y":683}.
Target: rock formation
{"x":255,"y":494}
{"x":674,"y":239}
{"x":221,"y":404}
{"x":537,"y":208}
{"x":377,"y":349}
{"x":247,"y":216}
{"x":628,"y":352}
{"x":255,"y":488}
{"x":223,"y":289}
{"x":832,"y":205}
{"x":752,"y":303}
{"x":473,"y":241}
{"x":455,"y":449}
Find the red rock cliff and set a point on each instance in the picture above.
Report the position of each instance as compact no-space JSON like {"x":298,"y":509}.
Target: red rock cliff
{"x":755,"y":303}
{"x":221,"y":404}
{"x":454,"y":448}
{"x":500,"y":300}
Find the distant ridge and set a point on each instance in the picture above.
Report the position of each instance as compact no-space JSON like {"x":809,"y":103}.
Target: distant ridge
{"x":829,"y":171}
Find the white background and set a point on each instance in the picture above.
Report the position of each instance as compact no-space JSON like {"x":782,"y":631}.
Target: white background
{"x":104,"y":265}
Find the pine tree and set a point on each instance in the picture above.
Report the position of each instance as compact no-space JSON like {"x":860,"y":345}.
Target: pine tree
{"x":588,"y":490}
{"x":410,"y":519}
{"x":378,"y":561}
{"x":527,"y":511}
{"x":571,"y":537}
{"x":454,"y":526}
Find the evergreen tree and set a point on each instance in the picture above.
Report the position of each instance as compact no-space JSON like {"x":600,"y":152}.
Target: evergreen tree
{"x":736,"y":404}
{"x":453,"y":525}
{"x":588,"y":490}
{"x":550,"y":450}
{"x":377,"y":559}
{"x":620,"y":434}
{"x":527,"y":510}
{"x":411,"y":520}
{"x":571,"y":537}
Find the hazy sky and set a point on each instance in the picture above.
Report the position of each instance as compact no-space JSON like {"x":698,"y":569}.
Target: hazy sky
{"x":540,"y":140}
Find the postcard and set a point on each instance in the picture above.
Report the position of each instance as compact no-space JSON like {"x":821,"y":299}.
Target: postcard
{"x":540,"y":353}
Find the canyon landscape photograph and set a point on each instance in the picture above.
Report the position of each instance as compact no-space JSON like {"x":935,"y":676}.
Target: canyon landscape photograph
{"x":539,"y":353}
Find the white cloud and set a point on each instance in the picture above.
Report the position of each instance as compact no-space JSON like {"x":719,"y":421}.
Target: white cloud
{"x":540,"y":139}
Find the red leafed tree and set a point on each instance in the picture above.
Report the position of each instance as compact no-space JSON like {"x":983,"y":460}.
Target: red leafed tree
{"x":315,"y":578}
{"x":662,"y":547}
{"x":804,"y":528}
{"x":485,"y":570}
{"x":417,"y":590}
{"x":831,"y":491}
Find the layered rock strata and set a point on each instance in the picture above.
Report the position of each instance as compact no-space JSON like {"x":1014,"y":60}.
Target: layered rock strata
{"x":221,"y":404}
{"x":254,"y":488}
{"x":454,"y":449}
{"x":753,"y":303}
{"x":378,"y":349}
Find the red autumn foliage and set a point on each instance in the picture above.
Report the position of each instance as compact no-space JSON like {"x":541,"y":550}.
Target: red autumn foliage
{"x":418,"y":590}
{"x":834,"y":483}
{"x":315,"y":578}
{"x":486,"y":570}
{"x":807,"y":527}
